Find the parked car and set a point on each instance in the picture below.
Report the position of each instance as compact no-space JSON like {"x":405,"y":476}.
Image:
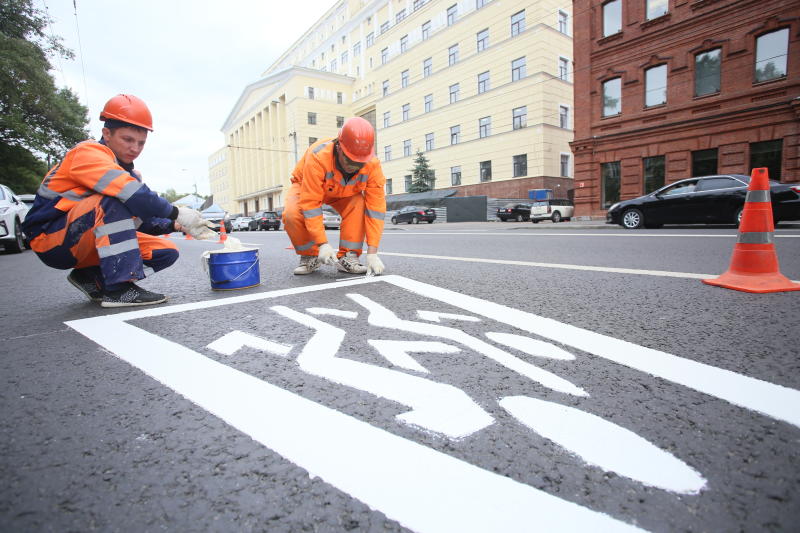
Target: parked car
{"x":241,"y":223}
{"x":557,"y":210}
{"x":413,"y":214}
{"x":12,"y":214}
{"x":702,"y":200}
{"x":518,"y":212}
{"x":331,"y":219}
{"x":217,"y":219}
{"x":27,"y":198}
{"x":265,"y":220}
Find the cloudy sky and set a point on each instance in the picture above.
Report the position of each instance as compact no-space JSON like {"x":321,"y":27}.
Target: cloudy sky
{"x":189,"y":60}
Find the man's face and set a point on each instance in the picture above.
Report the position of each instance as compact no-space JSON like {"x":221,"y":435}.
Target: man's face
{"x":347,"y":164}
{"x":126,"y":143}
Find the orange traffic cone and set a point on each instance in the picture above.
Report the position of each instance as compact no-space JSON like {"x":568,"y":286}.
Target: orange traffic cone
{"x":223,"y":235}
{"x":754,"y":265}
{"x":189,"y":237}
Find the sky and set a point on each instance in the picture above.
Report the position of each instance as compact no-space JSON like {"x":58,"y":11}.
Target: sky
{"x":188,"y":60}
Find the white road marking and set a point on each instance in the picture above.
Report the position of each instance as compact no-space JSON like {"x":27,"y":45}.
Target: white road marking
{"x":332,"y":312}
{"x":433,"y":316}
{"x":605,"y":444}
{"x":231,"y":342}
{"x":396,"y":352}
{"x":530,"y":346}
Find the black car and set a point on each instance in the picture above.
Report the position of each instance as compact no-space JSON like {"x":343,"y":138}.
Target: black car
{"x":518,"y":212}
{"x":702,"y":200}
{"x":265,"y":220}
{"x":413,"y":214}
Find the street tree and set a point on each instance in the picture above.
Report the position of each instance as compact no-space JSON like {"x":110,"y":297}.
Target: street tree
{"x":38,"y":121}
{"x":421,"y":174}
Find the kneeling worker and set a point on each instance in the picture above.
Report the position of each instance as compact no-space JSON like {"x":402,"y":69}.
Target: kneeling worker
{"x":93,"y":214}
{"x":344,"y":173}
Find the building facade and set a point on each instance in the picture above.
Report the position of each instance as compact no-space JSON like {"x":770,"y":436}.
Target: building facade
{"x":669,"y":89}
{"x":482,"y":88}
{"x":219,"y":180}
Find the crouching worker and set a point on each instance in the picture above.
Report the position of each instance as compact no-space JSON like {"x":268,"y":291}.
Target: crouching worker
{"x":93,"y":214}
{"x":344,"y":173}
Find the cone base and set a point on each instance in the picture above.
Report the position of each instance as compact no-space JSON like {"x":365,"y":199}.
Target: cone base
{"x":758,"y":283}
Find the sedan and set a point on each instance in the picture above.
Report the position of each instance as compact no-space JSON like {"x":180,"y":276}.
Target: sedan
{"x":12,"y":214}
{"x":265,"y":220}
{"x":331,"y":219}
{"x":703,"y":200}
{"x":414,"y":215}
{"x":518,"y":212}
{"x":241,"y":223}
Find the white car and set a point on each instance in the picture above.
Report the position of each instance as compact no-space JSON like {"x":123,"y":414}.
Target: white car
{"x":331,"y":219}
{"x":241,"y":223}
{"x":12,"y":213}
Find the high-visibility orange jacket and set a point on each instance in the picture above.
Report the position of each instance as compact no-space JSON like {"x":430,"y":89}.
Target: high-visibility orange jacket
{"x":322,"y":182}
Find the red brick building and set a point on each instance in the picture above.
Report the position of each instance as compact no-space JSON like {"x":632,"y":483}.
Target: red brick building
{"x":668,"y":89}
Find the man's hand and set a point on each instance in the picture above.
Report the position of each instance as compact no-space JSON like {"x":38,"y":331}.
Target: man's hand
{"x":326,"y":255}
{"x":188,"y":218}
{"x":191,"y":222}
{"x":374,"y":265}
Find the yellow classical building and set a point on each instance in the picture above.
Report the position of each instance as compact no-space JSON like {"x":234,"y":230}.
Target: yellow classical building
{"x":482,"y":88}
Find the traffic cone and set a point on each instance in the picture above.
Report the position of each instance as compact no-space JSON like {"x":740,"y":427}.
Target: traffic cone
{"x":754,"y":265}
{"x":188,"y":237}
{"x":223,"y":235}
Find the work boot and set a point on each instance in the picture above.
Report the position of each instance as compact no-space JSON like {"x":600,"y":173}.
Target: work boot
{"x":349,"y":263}
{"x":85,"y":282}
{"x":308,"y":264}
{"x":131,"y":295}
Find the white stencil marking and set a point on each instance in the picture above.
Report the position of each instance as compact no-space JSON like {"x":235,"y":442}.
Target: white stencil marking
{"x":231,"y":342}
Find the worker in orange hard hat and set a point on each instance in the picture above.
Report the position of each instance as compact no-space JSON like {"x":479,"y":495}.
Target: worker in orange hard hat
{"x":343,"y":173}
{"x":93,"y":214}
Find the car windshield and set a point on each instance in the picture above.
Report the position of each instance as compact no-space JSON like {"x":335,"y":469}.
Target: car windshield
{"x":509,"y":206}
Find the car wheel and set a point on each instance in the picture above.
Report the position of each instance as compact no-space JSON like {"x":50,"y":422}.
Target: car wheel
{"x":394,"y":220}
{"x":430,"y":222}
{"x":556,"y":218}
{"x":632,"y":219}
{"x":737,"y":218}
{"x":415,"y":220}
{"x":519,"y":218}
{"x":535,"y":221}
{"x":18,"y":244}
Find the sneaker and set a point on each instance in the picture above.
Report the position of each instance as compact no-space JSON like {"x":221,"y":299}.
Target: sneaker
{"x":131,"y":295}
{"x":85,"y":283}
{"x":308,"y":264}
{"x":349,"y":263}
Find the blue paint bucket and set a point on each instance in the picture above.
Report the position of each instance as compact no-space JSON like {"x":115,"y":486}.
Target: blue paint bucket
{"x":233,"y":270}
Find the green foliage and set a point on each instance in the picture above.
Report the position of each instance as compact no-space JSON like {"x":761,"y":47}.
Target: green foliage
{"x":421,"y":174}
{"x":20,"y":170}
{"x":36,"y":118}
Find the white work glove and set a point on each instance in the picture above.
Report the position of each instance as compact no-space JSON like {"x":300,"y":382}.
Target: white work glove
{"x":188,"y":217}
{"x":326,"y":255}
{"x":192,"y":222}
{"x":374,"y":265}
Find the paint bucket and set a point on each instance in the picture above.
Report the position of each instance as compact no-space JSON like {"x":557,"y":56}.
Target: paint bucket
{"x":229,"y":270}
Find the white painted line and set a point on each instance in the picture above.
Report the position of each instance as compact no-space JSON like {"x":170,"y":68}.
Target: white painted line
{"x":396,"y":352}
{"x":331,"y":312}
{"x":234,"y":341}
{"x":530,"y":346}
{"x":434,"y":316}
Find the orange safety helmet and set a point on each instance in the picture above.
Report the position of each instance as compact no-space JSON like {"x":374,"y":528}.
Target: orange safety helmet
{"x":357,"y":139}
{"x":130,"y":109}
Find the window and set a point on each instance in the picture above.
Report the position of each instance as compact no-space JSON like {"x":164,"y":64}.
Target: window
{"x":426,"y":67}
{"x":344,"y":57}
{"x":311,"y":140}
{"x":564,"y":165}
{"x":563,"y":68}
{"x":333,"y":65}
{"x":387,"y":153}
{"x":656,"y":8}
{"x":387,"y":119}
{"x":339,"y":122}
{"x":715,"y":184}
{"x":482,"y":38}
{"x":401,"y":15}
{"x":609,"y":186}
{"x":655,"y":86}
{"x":517,"y":23}
{"x":518,"y":70}
{"x":519,"y":117}
{"x":455,"y":175}
{"x":520,"y":164}
{"x":384,"y":28}
{"x":612,"y":97}
{"x":385,"y":87}
{"x":418,"y":4}
{"x":612,"y":17}
{"x":704,"y":162}
{"x":403,"y":43}
{"x":483,"y":82}
{"x":452,"y":55}
{"x":707,"y":71}
{"x":428,"y":141}
{"x":384,"y":55}
{"x":563,"y":117}
{"x":404,"y":79}
{"x":339,"y":98}
{"x":454,"y":90}
{"x":563,"y":22}
{"x":455,"y":134}
{"x":653,"y":173}
{"x":484,"y":127}
{"x":406,"y":111}
{"x":356,"y":49}
{"x":370,"y":39}
{"x":408,"y":181}
{"x":426,"y":30}
{"x":312,"y":118}
{"x":452,"y":13}
{"x":407,"y":148}
{"x":486,"y":171}
{"x":767,"y":154}
{"x":479,"y":3}
{"x":388,"y":185}
{"x":310,"y":93}
{"x":428,"y":103}
{"x":772,"y":50}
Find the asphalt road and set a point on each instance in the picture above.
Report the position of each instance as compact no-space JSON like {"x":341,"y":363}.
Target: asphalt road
{"x":499,"y":377}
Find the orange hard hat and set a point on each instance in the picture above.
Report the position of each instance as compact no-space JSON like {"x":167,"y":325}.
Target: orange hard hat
{"x":357,"y":139}
{"x":130,"y":109}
